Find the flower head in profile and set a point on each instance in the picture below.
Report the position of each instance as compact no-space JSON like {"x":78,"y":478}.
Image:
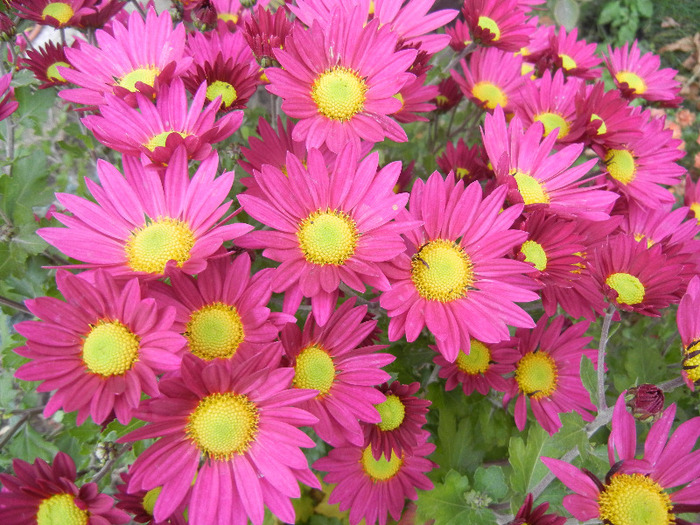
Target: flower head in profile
{"x":227,"y":434}
{"x":538,"y":516}
{"x":688,"y":320}
{"x":467,"y":163}
{"x":692,"y":197}
{"x":139,"y":223}
{"x":44,"y":62}
{"x":100,"y":348}
{"x":47,"y":495}
{"x":265,"y":31}
{"x":576,"y":58}
{"x":8,"y":104}
{"x":140,"y":504}
{"x":498,"y":23}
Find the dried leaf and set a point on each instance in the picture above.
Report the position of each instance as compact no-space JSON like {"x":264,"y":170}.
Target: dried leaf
{"x":669,"y":22}
{"x":685,"y":44}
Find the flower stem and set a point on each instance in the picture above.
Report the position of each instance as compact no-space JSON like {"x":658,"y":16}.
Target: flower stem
{"x":603,"y":343}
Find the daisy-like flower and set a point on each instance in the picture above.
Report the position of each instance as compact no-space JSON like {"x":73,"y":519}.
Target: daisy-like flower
{"x":481,"y":369}
{"x":265,"y":31}
{"x":403,"y":416}
{"x":229,"y":12}
{"x":538,"y":516}
{"x":340,"y":79}
{"x":100,"y":348}
{"x":459,"y":34}
{"x":271,"y":148}
{"x":327,"y":228}
{"x":492,"y":78}
{"x":104,"y":11}
{"x":575,"y":57}
{"x":141,"y":503}
{"x":8,"y":104}
{"x":547,"y":360}
{"x":522,"y":162}
{"x":636,"y":278}
{"x":638,"y":75}
{"x":498,"y":23}
{"x":54,"y":13}
{"x":688,"y":320}
{"x":156,"y":130}
{"x":415,"y":98}
{"x":229,"y":433}
{"x":44,"y":62}
{"x":691,"y":197}
{"x":47,"y":495}
{"x":374,"y":488}
{"x":467,"y":163}
{"x":449,"y":95}
{"x":343,"y":374}
{"x":454,"y":277}
{"x":140,"y":56}
{"x":139,"y":223}
{"x":638,"y":491}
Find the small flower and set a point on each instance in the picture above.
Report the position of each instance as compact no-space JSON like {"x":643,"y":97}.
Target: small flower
{"x":44,"y":63}
{"x":497,"y":23}
{"x":645,"y":402}
{"x":528,"y":516}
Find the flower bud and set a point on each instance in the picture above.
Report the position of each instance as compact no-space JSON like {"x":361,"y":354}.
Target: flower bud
{"x":646,"y":402}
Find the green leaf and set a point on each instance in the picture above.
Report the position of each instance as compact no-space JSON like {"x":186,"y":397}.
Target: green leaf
{"x":566,"y":13}
{"x":34,"y":104}
{"x":589,"y":377}
{"x":609,"y":13}
{"x":524,"y":458}
{"x":28,"y":445}
{"x":450,"y":503}
{"x":645,"y":8}
{"x":28,"y":187}
{"x":491,"y":481}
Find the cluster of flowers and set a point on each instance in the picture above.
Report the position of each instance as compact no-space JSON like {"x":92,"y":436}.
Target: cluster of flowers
{"x":164,"y":309}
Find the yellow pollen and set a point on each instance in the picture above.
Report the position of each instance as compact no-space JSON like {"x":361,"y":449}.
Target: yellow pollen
{"x":536,"y":375}
{"x":639,"y":237}
{"x":695,"y":208}
{"x":634,"y":81}
{"x":602,"y":129}
{"x":150,"y":248}
{"x":478,"y":360}
{"x":634,"y":499}
{"x":527,"y":69}
{"x":59,"y":11}
{"x":489,"y":94}
{"x":372,"y":7}
{"x":223,"y":89}
{"x":110,"y":349}
{"x":223,"y":425}
{"x":462,"y":172}
{"x":60,"y":509}
{"x":314,"y":369}
{"x":441,"y":271}
{"x":160,"y":139}
{"x":327,"y":237}
{"x":215,"y":330}
{"x":146,"y":74}
{"x":530,"y":189}
{"x":441,"y":100}
{"x":392,"y":412}
{"x":228,"y":17}
{"x":380,"y":469}
{"x":489,"y":23}
{"x":567,"y":62}
{"x":52,"y":71}
{"x":552,"y":121}
{"x":534,"y":254}
{"x":339,"y":93}
{"x":621,"y":165}
{"x":629,"y":288}
{"x":691,"y":365}
{"x":149,"y":500}
{"x":399,"y":97}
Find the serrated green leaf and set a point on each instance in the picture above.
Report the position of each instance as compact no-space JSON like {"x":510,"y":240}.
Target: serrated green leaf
{"x":524,"y":457}
{"x":27,"y":444}
{"x":34,"y":103}
{"x":589,"y":377}
{"x":448,"y":504}
{"x":26,"y":188}
{"x":491,"y":481}
{"x":645,"y":8}
{"x":566,"y":13}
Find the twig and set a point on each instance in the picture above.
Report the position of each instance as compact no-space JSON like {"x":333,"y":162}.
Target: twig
{"x":668,"y":386}
{"x":139,"y":7}
{"x":604,"y":334}
{"x":7,"y":436}
{"x":110,"y":463}
{"x":14,"y":304}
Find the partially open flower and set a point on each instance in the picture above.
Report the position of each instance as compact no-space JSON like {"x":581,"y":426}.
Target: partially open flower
{"x":646,"y":402}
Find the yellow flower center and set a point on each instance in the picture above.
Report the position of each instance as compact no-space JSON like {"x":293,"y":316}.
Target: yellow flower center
{"x":462,"y":172}
{"x":691,"y":365}
{"x":149,"y":500}
{"x":392,"y":412}
{"x":58,"y":10}
{"x":489,"y":23}
{"x":489,"y":94}
{"x":150,"y":248}
{"x":339,"y":93}
{"x":228,"y":17}
{"x":552,"y":121}
{"x":477,"y":361}
{"x":634,"y":81}
{"x":634,"y":499}
{"x":223,"y":425}
{"x":215,"y":330}
{"x":314,"y":369}
{"x":534,"y":254}
{"x":146,"y":74}
{"x":621,"y":165}
{"x":530,"y":189}
{"x":567,"y":62}
{"x":602,"y":129}
{"x":52,"y":71}
{"x":160,"y":139}
{"x":327,"y":237}
{"x":380,"y":469}
{"x":527,"y":69}
{"x":441,"y":271}
{"x":110,"y":349}
{"x":536,"y":375}
{"x":695,"y":208}
{"x":60,"y":509}
{"x":441,"y":100}
{"x":222,"y":89}
{"x":629,"y":288}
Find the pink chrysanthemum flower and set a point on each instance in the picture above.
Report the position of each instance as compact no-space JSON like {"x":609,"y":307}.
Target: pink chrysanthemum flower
{"x":271,"y":148}
{"x":454,"y":277}
{"x":481,"y":369}
{"x":100,"y":348}
{"x":498,"y":23}
{"x":638,"y":75}
{"x":229,"y":433}
{"x":691,"y":197}
{"x":265,"y":31}
{"x":538,"y":516}
{"x":467,"y":163}
{"x":229,"y":12}
{"x":636,"y":491}
{"x":104,"y":11}
{"x":343,"y":374}
{"x":44,"y":494}
{"x":575,"y":57}
{"x":547,"y":360}
{"x":141,"y":503}
{"x":44,"y":62}
{"x":140,"y":56}
{"x":139,"y":223}
{"x":636,"y":278}
{"x":8,"y":104}
{"x":157,"y":130}
{"x":340,"y":79}
{"x":415,"y":98}
{"x":449,"y":95}
{"x":327,"y":228}
{"x":688,"y":320}
{"x":403,"y":416}
{"x":373,"y":488}
{"x":491,"y":79}
{"x":522,"y":162}
{"x":460,"y":37}
{"x":54,"y":13}
{"x":638,"y":168}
